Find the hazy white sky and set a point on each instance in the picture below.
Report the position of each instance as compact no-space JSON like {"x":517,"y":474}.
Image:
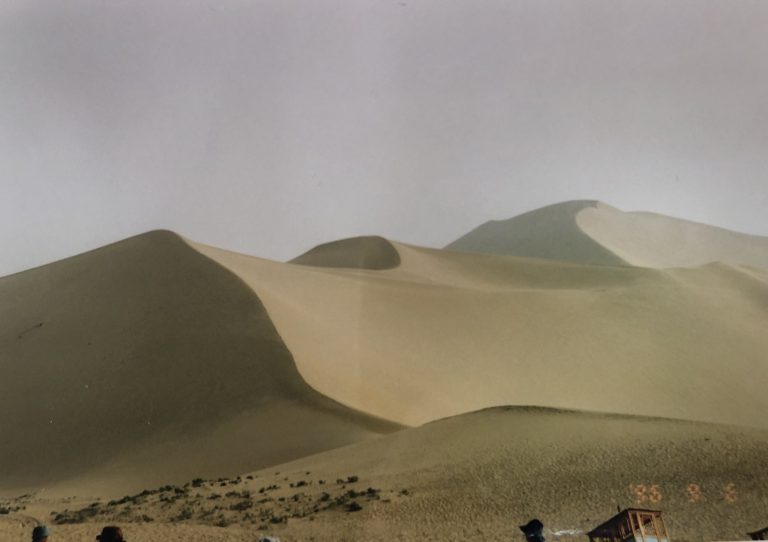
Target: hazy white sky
{"x":268,"y":127}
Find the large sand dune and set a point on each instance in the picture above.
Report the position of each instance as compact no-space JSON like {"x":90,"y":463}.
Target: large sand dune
{"x":144,"y":362}
{"x":595,"y":233}
{"x":449,"y":332}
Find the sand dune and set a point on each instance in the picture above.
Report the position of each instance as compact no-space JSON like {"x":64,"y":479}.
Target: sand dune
{"x":354,"y":253}
{"x":158,"y":360}
{"x":550,"y":232}
{"x":595,"y":233}
{"x":449,"y":332}
{"x":144,"y":362}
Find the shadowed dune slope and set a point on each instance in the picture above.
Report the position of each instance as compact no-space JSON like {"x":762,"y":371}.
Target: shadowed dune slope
{"x":354,"y":253}
{"x":550,"y":232}
{"x":144,"y":362}
{"x":500,"y":467}
{"x":450,"y":332}
{"x":592,"y":232}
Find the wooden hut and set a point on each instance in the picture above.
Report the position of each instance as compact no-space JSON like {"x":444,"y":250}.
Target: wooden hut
{"x":631,"y":525}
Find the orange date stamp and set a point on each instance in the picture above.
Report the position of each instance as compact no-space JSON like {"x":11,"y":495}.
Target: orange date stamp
{"x":654,"y":493}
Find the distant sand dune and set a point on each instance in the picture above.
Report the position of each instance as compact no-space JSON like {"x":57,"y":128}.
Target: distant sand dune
{"x":354,"y":253}
{"x":550,"y":232}
{"x":595,"y":233}
{"x":143,"y":363}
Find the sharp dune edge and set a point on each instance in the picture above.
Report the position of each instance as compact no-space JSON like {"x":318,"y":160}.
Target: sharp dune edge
{"x":218,"y":363}
{"x":592,"y":232}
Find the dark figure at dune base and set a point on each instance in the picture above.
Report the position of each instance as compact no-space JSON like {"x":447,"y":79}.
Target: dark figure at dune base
{"x":533,"y":530}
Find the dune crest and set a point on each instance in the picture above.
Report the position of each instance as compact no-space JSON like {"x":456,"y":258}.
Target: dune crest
{"x":653,"y":240}
{"x":549,"y":232}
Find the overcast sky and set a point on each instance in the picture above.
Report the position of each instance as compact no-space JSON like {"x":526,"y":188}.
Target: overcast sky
{"x":268,"y":127}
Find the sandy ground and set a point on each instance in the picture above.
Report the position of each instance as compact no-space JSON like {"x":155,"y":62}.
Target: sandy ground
{"x":475,"y":477}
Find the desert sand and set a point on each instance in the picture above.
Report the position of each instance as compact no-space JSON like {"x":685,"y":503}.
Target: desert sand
{"x":471,"y":477}
{"x":371,"y":389}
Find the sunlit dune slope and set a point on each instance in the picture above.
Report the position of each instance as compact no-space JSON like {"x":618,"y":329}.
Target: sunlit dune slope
{"x":595,"y":233}
{"x":478,"y":476}
{"x":144,"y":362}
{"x":355,"y":253}
{"x":450,"y":332}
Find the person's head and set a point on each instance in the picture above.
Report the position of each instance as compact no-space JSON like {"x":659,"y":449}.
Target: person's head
{"x":533,"y":530}
{"x":111,"y":534}
{"x":40,"y":534}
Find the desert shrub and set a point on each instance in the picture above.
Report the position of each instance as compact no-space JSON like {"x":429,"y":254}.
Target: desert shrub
{"x":184,"y":514}
{"x":240,"y":506}
{"x":354,"y":507}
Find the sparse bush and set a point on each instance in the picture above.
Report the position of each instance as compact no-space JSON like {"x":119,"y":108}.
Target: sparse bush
{"x":184,"y":514}
{"x":240,"y":506}
{"x":354,"y":507}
